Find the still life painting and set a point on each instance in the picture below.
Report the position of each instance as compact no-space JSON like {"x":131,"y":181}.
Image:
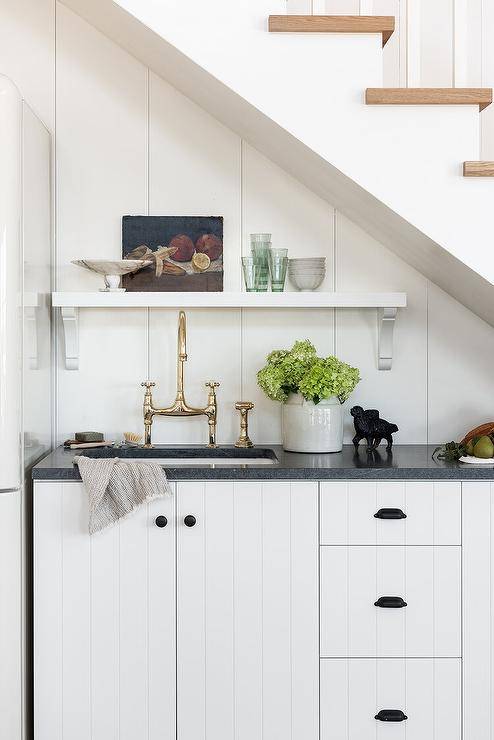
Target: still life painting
{"x":185,"y":252}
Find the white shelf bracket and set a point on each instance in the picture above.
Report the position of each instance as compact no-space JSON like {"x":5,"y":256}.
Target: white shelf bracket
{"x":70,"y":323}
{"x":387,"y":318}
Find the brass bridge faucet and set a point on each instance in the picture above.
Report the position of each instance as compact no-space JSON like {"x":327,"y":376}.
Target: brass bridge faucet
{"x":180,"y":406}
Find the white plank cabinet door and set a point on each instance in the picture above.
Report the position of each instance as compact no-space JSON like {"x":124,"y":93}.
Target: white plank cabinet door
{"x":104,"y":620}
{"x":390,"y":513}
{"x":478,"y":599}
{"x":358,"y":696}
{"x":385,"y":602}
{"x":247,"y":611}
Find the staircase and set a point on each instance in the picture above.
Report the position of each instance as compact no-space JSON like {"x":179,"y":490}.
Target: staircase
{"x":401,"y":163}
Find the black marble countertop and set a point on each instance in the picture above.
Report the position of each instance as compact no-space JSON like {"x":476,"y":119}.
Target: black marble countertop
{"x":405,"y":462}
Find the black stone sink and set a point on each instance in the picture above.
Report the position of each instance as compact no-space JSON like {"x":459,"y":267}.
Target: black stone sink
{"x":176,"y":456}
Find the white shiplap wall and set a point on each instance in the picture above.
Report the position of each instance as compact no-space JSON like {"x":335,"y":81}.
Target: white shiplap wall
{"x":127,"y":142}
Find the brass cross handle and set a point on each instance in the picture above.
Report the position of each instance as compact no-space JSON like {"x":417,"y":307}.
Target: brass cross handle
{"x":244,"y":440}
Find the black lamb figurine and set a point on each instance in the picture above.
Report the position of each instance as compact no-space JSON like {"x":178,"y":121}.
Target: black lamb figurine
{"x":370,"y":427}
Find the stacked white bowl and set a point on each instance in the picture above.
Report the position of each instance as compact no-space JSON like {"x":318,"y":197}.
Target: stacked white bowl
{"x":307,"y":273}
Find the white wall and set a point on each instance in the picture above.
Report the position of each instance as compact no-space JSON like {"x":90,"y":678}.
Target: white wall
{"x":127,"y":142}
{"x":442,"y":43}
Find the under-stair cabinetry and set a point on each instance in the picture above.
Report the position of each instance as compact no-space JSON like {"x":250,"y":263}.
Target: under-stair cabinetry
{"x":390,"y":610}
{"x":264,"y":610}
{"x":196,"y":617}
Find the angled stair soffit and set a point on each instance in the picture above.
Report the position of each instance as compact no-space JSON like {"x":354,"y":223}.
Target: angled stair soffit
{"x":317,"y":174}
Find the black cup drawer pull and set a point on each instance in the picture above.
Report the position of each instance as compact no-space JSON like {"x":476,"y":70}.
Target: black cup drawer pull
{"x":390,"y":514}
{"x":161,"y":521}
{"x":390,"y":602}
{"x":391,"y":715}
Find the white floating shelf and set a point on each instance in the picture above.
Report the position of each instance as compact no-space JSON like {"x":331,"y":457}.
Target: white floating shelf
{"x":388,"y":303}
{"x":288,"y":299}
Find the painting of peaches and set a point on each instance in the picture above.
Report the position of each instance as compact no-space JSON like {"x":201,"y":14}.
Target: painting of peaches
{"x":185,"y":252}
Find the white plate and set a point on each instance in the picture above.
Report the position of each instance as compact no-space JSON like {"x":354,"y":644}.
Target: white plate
{"x":477,"y":460}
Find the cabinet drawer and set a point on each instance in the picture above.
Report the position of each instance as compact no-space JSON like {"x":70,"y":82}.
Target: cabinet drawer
{"x":390,"y":513}
{"x":426,"y":691}
{"x":427,"y":579}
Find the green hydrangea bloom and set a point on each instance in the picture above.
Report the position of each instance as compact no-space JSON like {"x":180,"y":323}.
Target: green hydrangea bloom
{"x":271,"y":379}
{"x":329,"y":377}
{"x":299,"y":370}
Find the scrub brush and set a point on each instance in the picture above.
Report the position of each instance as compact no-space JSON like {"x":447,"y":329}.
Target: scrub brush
{"x":132,"y":439}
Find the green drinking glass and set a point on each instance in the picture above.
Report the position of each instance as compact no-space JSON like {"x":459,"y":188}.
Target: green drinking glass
{"x":256,"y":275}
{"x":278,"y":263}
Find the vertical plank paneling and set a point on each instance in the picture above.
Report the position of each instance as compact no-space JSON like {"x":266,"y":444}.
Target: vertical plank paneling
{"x":105,"y":634}
{"x":178,"y":129}
{"x":366,"y":7}
{"x":276,"y":601}
{"x":436,"y":41}
{"x":334,"y":611}
{"x":419,"y":508}
{"x":361,"y":507}
{"x":219,"y":502}
{"x":390,"y":494}
{"x":447,"y":601}
{"x":427,"y":578}
{"x":333,"y":523}
{"x":248,"y":529}
{"x":477,"y":604}
{"x":133,"y":626}
{"x":76,"y":614}
{"x":361,"y":584}
{"x":394,"y":53}
{"x":391,"y":624}
{"x":304,"y":554}
{"x":101,"y":175}
{"x":467,"y":369}
{"x":447,"y":513}
{"x":48,"y":610}
{"x":247,"y":611}
{"x":161,"y":620}
{"x":460,"y":42}
{"x":353,"y":691}
{"x":391,"y":691}
{"x":104,"y":621}
{"x":433,"y":513}
{"x":487,"y":54}
{"x":298,"y":7}
{"x":364,"y":264}
{"x":334,"y":696}
{"x":413,"y":43}
{"x":272,"y":197}
{"x":447,"y":700}
{"x":191,"y":605}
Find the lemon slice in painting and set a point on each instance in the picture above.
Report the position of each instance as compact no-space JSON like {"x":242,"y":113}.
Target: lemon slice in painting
{"x":200,"y":262}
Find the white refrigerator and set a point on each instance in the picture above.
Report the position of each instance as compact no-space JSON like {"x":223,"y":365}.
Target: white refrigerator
{"x":25,"y":377}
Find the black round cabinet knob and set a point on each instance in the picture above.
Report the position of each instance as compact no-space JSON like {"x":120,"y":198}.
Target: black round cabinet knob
{"x":161,"y":521}
{"x":189,"y":520}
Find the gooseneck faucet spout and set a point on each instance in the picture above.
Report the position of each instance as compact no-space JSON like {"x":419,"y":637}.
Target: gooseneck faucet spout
{"x":180,"y":407}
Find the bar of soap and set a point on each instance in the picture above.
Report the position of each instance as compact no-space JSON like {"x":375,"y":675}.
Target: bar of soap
{"x":89,"y":437}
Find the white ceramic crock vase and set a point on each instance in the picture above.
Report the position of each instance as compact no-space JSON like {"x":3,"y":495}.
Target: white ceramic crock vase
{"x":309,"y":427}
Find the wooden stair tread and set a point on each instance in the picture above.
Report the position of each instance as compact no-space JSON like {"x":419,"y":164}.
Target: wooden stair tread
{"x":384,"y":24}
{"x":481,"y":96}
{"x":478,"y":169}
